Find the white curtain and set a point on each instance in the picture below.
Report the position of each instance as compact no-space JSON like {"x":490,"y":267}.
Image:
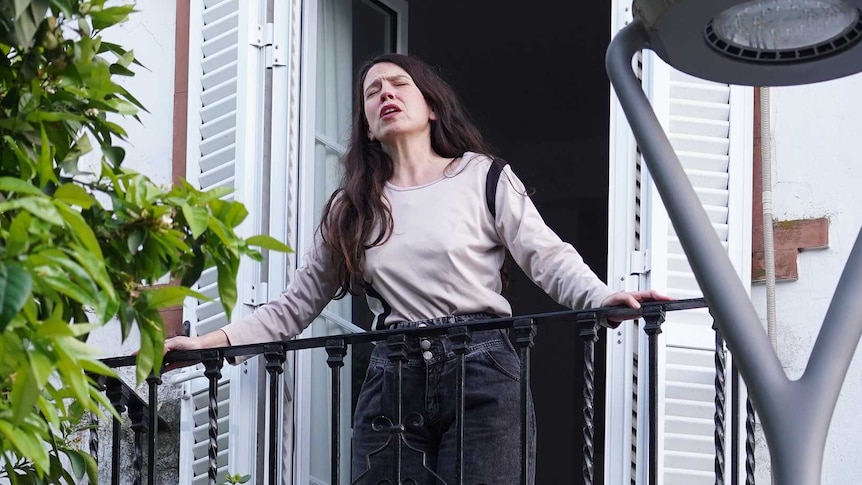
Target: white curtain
{"x":333,"y":97}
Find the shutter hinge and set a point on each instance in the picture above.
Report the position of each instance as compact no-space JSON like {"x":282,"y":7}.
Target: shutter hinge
{"x":639,"y":262}
{"x":256,"y":36}
{"x":258,"y":295}
{"x":273,"y":47}
{"x":628,"y":15}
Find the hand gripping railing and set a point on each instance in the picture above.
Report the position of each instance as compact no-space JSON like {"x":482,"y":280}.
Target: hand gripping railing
{"x":522,"y":330}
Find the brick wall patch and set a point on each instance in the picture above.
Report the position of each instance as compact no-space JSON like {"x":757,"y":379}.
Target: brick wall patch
{"x":789,"y":237}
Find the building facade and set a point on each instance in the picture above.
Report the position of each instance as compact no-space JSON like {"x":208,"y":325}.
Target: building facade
{"x":255,"y":95}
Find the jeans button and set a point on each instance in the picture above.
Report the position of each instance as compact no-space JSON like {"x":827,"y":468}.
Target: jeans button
{"x":427,"y":355}
{"x":422,"y":325}
{"x":425,"y":344}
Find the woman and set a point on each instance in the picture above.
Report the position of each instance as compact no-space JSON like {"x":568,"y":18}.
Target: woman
{"x":411,"y":229}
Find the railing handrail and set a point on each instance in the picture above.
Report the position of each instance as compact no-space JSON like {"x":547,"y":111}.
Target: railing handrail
{"x":522,"y":329}
{"x":378,"y":335}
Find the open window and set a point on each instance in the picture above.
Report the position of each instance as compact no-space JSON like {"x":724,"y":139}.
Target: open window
{"x":340,"y":36}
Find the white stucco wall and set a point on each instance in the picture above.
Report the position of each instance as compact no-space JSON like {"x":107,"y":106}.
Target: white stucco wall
{"x":817,"y":170}
{"x":151,"y":33}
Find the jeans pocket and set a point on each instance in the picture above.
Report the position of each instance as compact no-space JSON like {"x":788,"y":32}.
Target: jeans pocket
{"x":502,"y":358}
{"x":372,"y":397}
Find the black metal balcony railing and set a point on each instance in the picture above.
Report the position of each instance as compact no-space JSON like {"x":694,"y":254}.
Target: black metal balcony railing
{"x":521,"y":330}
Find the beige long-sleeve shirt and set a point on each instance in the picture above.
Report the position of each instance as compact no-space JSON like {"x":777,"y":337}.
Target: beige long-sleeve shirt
{"x":443,"y":258}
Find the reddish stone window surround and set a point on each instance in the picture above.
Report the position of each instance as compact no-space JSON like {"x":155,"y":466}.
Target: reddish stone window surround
{"x":789,"y":237}
{"x":181,"y":91}
{"x":173,"y":317}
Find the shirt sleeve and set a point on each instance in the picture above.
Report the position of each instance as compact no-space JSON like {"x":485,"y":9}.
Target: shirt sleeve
{"x":311,"y":289}
{"x":554,"y":265}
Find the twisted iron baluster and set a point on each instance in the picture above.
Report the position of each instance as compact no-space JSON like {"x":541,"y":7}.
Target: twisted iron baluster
{"x":524,"y":331}
{"x":93,"y":419}
{"x":735,"y":415}
{"x":336,"y":349}
{"x":119,"y":397}
{"x":720,"y":393}
{"x":749,"y":442}
{"x":654,"y":316}
{"x":587,"y":331}
{"x":153,"y":425}
{"x":459,"y":337}
{"x":139,"y":426}
{"x":212,"y":361}
{"x":275,"y":357}
{"x":94,"y":437}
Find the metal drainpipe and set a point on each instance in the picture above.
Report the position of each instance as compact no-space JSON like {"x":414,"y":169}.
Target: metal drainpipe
{"x":768,"y":240}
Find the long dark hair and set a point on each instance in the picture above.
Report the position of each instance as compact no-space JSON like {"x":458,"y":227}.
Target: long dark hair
{"x":357,"y":217}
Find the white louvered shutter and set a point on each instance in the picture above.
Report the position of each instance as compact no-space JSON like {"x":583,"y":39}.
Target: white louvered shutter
{"x":710,"y":127}
{"x":223,"y":150}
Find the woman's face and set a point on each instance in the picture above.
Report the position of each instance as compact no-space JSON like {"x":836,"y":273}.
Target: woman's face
{"x":394,"y":106}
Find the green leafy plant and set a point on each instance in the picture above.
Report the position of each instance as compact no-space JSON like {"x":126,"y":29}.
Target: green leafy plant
{"x":237,"y":478}
{"x":81,"y":245}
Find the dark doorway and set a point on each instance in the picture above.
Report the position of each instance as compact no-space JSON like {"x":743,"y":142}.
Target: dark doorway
{"x":532,"y":76}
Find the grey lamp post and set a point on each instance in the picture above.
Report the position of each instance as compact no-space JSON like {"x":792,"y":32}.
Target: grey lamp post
{"x":760,"y":43}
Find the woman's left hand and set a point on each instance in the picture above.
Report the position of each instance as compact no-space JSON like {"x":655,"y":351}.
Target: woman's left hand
{"x":632,"y":300}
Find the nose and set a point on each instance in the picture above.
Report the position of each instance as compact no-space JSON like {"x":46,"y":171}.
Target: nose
{"x":386,"y":92}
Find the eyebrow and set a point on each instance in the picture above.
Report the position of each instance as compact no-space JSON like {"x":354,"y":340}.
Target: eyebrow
{"x":393,"y":78}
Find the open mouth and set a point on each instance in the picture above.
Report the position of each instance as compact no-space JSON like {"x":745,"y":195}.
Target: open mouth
{"x":388,"y":110}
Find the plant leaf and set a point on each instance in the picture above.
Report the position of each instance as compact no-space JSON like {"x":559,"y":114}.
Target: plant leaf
{"x":226,"y":286}
{"x":168,"y":296}
{"x":42,"y":367}
{"x":146,"y":355}
{"x":25,"y":390}
{"x":114,"y":154}
{"x":197,"y":218}
{"x":18,"y":232}
{"x":95,"y":266}
{"x":11,"y":184}
{"x":40,"y":207}
{"x":72,"y":290}
{"x":49,"y":409}
{"x":46,"y":159}
{"x":268,"y":242}
{"x":110,"y":16}
{"x":81,"y":230}
{"x":79,"y":466}
{"x":28,"y":445}
{"x":135,"y":239}
{"x":15,"y":287}
{"x":74,"y":194}
{"x":28,"y":16}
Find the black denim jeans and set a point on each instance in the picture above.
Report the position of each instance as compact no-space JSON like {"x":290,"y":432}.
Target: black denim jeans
{"x":492,"y":422}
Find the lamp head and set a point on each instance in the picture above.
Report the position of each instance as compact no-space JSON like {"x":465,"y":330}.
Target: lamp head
{"x":756,"y":42}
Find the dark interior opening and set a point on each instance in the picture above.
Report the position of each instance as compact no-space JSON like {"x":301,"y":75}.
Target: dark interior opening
{"x":532,"y":76}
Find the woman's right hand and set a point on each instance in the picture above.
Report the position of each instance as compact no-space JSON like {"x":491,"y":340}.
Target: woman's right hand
{"x":213,"y":339}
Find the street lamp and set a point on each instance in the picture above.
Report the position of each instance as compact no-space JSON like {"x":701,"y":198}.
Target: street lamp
{"x":759,"y":43}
